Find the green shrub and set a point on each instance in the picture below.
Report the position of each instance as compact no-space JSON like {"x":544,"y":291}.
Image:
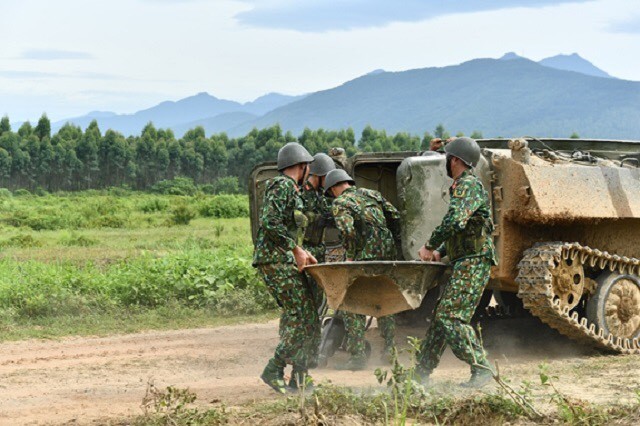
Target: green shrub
{"x":21,"y":241}
{"x":5,"y":193}
{"x":74,"y":240}
{"x":109,"y":221}
{"x":225,"y":206}
{"x":176,"y":186}
{"x":40,"y":192}
{"x":44,"y":222}
{"x":21,"y":193}
{"x":208,"y":188}
{"x":154,"y":205}
{"x":182,"y":215}
{"x":226,"y":185}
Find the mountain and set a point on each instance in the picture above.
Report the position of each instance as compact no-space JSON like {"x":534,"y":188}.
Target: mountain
{"x":216,"y":113}
{"x":268,"y":102}
{"x":498,"y":97}
{"x":573,"y":62}
{"x":509,"y":56}
{"x":218,"y":124}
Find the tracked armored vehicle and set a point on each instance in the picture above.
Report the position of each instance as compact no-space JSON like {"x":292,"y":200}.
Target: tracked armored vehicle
{"x":567,"y":235}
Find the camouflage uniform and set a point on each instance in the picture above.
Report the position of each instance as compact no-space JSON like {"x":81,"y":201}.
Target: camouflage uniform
{"x":278,"y":235}
{"x":465,"y":236}
{"x":370,"y":230}
{"x":317,"y":210}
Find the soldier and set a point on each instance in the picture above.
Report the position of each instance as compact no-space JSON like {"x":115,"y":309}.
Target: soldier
{"x":370,"y":230}
{"x":317,"y":209}
{"x":280,"y":259}
{"x":465,"y":236}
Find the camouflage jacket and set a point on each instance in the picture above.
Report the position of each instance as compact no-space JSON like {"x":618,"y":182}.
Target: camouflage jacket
{"x":280,"y":223}
{"x":466,"y":229}
{"x":366,"y":221}
{"x":318,"y":212}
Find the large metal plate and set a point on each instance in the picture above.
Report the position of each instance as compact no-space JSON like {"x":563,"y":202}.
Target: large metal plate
{"x":376,"y":288}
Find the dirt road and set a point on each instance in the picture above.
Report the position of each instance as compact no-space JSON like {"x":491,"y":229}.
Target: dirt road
{"x":88,"y":380}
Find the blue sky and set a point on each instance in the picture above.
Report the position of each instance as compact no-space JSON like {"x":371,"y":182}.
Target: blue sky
{"x":70,"y":57}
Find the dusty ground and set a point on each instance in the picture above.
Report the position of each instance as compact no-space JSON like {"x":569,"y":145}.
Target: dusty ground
{"x":94,"y":379}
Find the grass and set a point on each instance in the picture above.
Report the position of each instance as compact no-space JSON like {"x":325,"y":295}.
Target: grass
{"x":123,"y":322}
{"x":100,"y":262}
{"x":336,"y":405}
{"x":113,"y":244}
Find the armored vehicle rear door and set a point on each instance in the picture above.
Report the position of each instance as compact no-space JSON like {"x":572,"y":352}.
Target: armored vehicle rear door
{"x":423,"y":197}
{"x":257,"y":180}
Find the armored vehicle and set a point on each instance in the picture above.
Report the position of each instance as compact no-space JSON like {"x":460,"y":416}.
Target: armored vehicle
{"x":567,"y":234}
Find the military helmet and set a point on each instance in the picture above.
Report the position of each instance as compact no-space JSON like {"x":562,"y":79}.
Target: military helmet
{"x":335,"y":177}
{"x":322,"y":165}
{"x":291,"y":154}
{"x":465,"y":149}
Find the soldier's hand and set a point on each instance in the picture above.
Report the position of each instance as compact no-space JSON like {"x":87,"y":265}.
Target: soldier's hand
{"x":311,"y":260}
{"x":348,"y":260}
{"x":301,"y":257}
{"x":436,"y":256}
{"x":425,"y":254}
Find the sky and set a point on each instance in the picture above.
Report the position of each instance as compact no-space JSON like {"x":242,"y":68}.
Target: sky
{"x":69,"y":57}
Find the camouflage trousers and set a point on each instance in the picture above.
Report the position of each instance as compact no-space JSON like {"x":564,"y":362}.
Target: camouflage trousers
{"x":453,"y":315}
{"x":300,"y":325}
{"x":355,"y":325}
{"x":318,"y":294}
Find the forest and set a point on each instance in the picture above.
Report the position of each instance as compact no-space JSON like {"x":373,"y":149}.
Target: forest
{"x":35,"y":160}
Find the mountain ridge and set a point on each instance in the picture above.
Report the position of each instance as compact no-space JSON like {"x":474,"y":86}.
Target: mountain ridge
{"x":409,"y":101}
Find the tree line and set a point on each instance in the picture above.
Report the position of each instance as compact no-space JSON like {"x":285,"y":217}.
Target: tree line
{"x":72,"y":159}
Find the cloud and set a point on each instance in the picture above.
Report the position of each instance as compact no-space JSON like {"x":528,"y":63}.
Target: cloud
{"x":53,"y":54}
{"x":25,"y":75}
{"x":325,"y":15}
{"x":629,"y":26}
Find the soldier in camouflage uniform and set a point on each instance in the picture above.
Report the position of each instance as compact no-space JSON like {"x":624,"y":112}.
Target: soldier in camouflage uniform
{"x":465,"y":236}
{"x":317,"y":209}
{"x":370,"y":230}
{"x":280,"y":259}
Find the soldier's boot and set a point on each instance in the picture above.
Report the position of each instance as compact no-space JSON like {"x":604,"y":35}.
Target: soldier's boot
{"x":300,"y":379}
{"x":273,"y":376}
{"x":423,"y":376}
{"x":354,"y":363}
{"x":479,"y":378}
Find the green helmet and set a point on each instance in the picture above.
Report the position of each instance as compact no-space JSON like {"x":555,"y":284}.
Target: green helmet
{"x":291,"y":154}
{"x":465,"y":149}
{"x":335,"y":177}
{"x":322,"y":165}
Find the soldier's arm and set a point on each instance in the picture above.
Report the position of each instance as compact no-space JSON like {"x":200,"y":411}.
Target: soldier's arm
{"x":392,"y":216}
{"x":276,"y":203}
{"x":465,"y":200}
{"x":345,"y":224}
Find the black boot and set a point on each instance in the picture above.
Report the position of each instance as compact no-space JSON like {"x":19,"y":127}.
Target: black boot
{"x":273,"y":376}
{"x":479,"y":378}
